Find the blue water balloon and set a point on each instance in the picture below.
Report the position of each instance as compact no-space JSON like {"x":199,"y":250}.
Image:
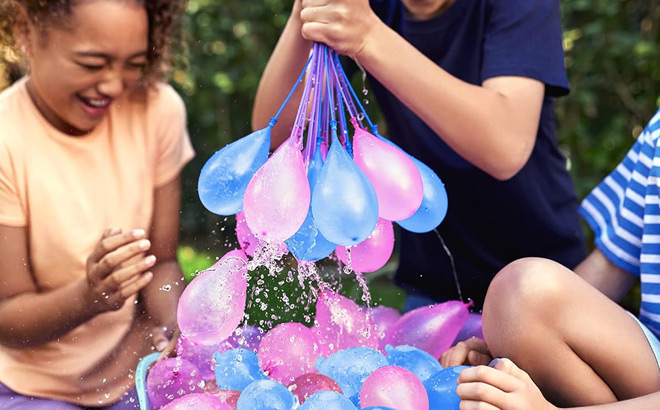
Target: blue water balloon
{"x":378,"y":408}
{"x":344,"y":203}
{"x":237,"y":368}
{"x":441,"y":388}
{"x":308,"y":244}
{"x":225,"y":176}
{"x":434,"y":202}
{"x":351,"y":367}
{"x":422,"y":364}
{"x":327,"y":400}
{"x":265,"y":395}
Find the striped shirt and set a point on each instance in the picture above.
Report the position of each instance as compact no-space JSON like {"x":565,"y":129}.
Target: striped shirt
{"x":624,"y":213}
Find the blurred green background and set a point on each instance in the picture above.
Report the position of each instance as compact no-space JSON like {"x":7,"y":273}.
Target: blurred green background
{"x":613,"y":61}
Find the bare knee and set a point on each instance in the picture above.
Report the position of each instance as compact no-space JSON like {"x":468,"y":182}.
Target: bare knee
{"x":521,"y":294}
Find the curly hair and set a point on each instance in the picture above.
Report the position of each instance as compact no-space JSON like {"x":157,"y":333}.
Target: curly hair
{"x":166,"y":44}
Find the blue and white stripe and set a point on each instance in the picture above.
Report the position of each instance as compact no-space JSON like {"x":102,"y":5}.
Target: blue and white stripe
{"x":624,"y":212}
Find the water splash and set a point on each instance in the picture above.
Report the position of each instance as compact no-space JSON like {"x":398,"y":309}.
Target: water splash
{"x":453,"y":265}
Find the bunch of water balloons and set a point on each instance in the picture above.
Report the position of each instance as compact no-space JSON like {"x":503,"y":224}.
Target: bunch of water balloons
{"x":351,"y":358}
{"x":323,"y":190}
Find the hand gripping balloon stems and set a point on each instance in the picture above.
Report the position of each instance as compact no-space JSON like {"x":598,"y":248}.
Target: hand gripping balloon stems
{"x":326,"y":188}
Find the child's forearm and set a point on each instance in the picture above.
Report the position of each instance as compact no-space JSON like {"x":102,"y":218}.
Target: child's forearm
{"x":493,"y":126}
{"x":33,"y":319}
{"x":281,"y":72}
{"x":162,"y":295}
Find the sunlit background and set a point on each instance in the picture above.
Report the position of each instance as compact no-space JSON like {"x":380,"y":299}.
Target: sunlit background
{"x":612,"y":56}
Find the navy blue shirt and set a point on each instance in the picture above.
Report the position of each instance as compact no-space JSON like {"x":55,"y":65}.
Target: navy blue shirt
{"x":489,"y":222}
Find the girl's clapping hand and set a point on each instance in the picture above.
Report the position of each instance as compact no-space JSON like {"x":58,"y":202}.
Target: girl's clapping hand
{"x":118,"y":268}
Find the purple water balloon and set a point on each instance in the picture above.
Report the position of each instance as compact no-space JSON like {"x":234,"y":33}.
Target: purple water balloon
{"x":201,"y":355}
{"x":383,"y":318}
{"x":471,"y":328}
{"x":247,"y":337}
{"x":431,"y":328}
{"x":170,"y":379}
{"x":197,"y":401}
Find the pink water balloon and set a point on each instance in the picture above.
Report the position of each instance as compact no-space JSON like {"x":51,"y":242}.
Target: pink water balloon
{"x":372,"y":253}
{"x":383,"y":317}
{"x":288,"y":351}
{"x":226,"y":396}
{"x":247,"y":241}
{"x":431,"y":328}
{"x":277,"y":198}
{"x":394,"y":387}
{"x":393,"y":175}
{"x":307,"y":384}
{"x":197,"y":401}
{"x":341,"y":323}
{"x":170,"y":379}
{"x":212,"y":305}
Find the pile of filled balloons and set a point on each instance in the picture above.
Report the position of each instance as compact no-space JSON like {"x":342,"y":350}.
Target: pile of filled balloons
{"x":324,"y":190}
{"x":351,"y":358}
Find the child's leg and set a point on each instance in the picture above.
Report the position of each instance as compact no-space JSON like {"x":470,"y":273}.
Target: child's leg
{"x":578,"y":346}
{"x":10,"y":400}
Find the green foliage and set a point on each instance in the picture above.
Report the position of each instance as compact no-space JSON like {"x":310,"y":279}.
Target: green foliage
{"x":229,"y":45}
{"x":612,"y":56}
{"x":613,"y":62}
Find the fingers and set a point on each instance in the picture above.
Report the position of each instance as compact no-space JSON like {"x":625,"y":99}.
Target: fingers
{"x":110,"y":232}
{"x":117,"y":269}
{"x":164,"y":344}
{"x":507,"y":366}
{"x":476,"y":405}
{"x":475,"y":358}
{"x":314,"y":3}
{"x":491,"y":376}
{"x":503,"y":386}
{"x":134,"y":286}
{"x":459,"y":354}
{"x":315,"y":14}
{"x":121,"y":277}
{"x":114,"y":250}
{"x":485,"y":388}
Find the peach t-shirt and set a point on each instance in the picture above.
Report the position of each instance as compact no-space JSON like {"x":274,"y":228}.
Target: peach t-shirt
{"x":66,"y":191}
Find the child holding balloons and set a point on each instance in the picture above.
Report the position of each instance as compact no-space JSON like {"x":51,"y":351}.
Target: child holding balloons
{"x":467,"y":88}
{"x":574,"y":341}
{"x":91,"y":147}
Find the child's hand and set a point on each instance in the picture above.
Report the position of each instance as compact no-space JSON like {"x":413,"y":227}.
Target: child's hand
{"x":117,"y":268}
{"x":473,"y":352}
{"x":503,"y":387}
{"x":165,"y":341}
{"x":343,"y":25}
